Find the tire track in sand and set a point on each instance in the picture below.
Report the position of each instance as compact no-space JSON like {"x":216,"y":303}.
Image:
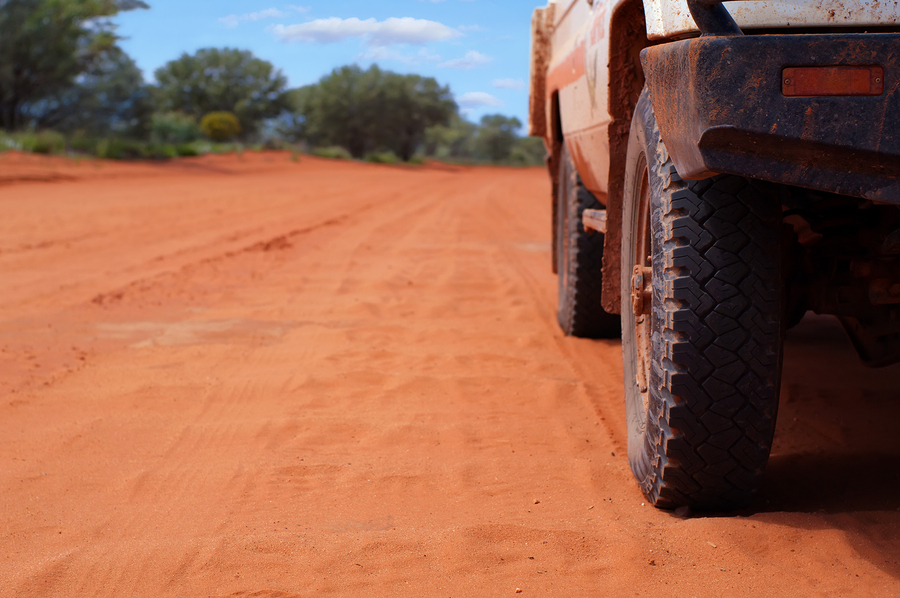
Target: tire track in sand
{"x":383,"y":407}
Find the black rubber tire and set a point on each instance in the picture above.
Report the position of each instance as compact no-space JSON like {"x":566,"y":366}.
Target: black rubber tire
{"x":579,"y":256}
{"x":701,"y":433}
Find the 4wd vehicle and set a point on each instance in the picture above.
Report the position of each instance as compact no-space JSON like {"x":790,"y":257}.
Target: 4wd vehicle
{"x":714,"y":178}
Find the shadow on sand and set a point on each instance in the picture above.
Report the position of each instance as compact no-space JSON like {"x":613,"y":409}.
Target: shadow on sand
{"x":836,"y":455}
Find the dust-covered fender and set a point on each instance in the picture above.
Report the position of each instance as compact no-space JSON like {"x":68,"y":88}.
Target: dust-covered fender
{"x":578,"y":77}
{"x":671,"y":18}
{"x":541,"y":26}
{"x":593,"y":79}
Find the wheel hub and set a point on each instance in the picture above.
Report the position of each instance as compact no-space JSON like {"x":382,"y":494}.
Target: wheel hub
{"x":641,"y":290}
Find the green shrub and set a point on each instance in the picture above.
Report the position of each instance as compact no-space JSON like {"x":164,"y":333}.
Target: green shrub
{"x":335,"y":152}
{"x":274,"y":143}
{"x":528,"y":151}
{"x":220,"y":126}
{"x":382,"y":157}
{"x":202,"y":147}
{"x":44,"y":142}
{"x":188,"y":150}
{"x":160,"y":151}
{"x":173,"y":127}
{"x":25,"y":140}
{"x":113,"y":148}
{"x":8,"y":142}
{"x":80,"y":142}
{"x":104,"y":149}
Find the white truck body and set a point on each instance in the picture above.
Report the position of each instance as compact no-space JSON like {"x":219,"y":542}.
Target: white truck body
{"x":578,"y":57}
{"x":667,"y":19}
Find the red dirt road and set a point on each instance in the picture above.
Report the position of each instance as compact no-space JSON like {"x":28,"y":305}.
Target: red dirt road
{"x":252,"y":377}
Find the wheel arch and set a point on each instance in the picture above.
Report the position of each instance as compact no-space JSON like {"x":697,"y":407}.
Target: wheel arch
{"x":627,"y":37}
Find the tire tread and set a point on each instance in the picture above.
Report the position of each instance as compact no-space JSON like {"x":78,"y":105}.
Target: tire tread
{"x":721,"y":310}
{"x":580,"y":311}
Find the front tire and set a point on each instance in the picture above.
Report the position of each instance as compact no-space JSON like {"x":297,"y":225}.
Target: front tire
{"x":702,"y":304}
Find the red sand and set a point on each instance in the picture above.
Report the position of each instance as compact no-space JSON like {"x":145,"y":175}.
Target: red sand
{"x":248,"y":376}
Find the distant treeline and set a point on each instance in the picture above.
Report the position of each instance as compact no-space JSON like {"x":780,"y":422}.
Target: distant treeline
{"x":65,"y":84}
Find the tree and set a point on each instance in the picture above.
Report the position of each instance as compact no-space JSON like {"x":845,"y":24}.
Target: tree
{"x":226,"y":79}
{"x":497,"y":136}
{"x":370,"y":110}
{"x":528,"y":151}
{"x":411,"y":105}
{"x":341,"y":110}
{"x":110,"y":97}
{"x":291,"y":124}
{"x":454,"y":141}
{"x":46,"y":44}
{"x":494,"y":140}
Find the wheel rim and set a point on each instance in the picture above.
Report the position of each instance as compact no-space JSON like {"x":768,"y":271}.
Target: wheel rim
{"x":641,"y":286}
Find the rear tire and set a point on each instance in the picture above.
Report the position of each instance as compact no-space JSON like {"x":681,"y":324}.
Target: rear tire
{"x":579,"y":257}
{"x":702,"y":338}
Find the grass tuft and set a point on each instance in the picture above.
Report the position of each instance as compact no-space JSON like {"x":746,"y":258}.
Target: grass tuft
{"x":334,"y":152}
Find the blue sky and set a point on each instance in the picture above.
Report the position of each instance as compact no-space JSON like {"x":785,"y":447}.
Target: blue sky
{"x":479,"y":47}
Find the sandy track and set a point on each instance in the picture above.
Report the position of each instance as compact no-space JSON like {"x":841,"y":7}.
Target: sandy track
{"x":255,"y":377}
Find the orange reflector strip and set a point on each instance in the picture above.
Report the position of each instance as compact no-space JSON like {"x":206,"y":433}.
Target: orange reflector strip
{"x":832,"y":81}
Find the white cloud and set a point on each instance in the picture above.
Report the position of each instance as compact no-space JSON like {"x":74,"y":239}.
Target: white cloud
{"x":471,"y":60}
{"x":405,"y":30}
{"x":231,"y":21}
{"x":383,"y":53}
{"x":269,"y":13}
{"x":478,"y":99}
{"x":509,"y":84}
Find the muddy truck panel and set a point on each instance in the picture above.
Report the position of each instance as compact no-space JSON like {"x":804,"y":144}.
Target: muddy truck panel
{"x":587,"y":75}
{"x":574,"y":52}
{"x":585,"y":58}
{"x":815,"y":111}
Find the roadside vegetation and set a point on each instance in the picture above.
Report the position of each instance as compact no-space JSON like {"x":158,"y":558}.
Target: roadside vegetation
{"x":66,"y":87}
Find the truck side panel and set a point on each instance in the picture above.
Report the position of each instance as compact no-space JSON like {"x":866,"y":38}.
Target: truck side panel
{"x":593,"y":81}
{"x":578,"y":73}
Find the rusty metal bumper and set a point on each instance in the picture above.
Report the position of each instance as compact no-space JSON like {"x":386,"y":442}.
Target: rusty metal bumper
{"x":721,"y":107}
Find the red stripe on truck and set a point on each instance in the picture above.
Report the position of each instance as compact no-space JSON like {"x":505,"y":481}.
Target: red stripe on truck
{"x":570,"y":70}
